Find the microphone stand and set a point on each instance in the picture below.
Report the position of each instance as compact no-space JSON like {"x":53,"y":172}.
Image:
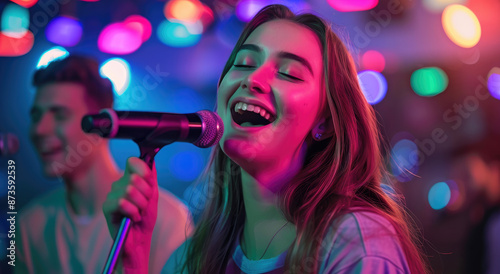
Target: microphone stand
{"x":148,"y":152}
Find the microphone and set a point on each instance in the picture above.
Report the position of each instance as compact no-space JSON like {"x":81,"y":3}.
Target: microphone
{"x":203,"y":128}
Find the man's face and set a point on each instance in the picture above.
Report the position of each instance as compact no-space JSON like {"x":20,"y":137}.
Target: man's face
{"x":55,"y":129}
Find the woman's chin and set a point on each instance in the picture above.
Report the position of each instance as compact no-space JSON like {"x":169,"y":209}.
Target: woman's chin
{"x":245,"y":153}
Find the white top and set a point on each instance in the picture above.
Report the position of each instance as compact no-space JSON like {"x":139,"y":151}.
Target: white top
{"x":358,"y":242}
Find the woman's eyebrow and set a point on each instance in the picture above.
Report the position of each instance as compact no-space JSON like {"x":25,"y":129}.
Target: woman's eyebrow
{"x":303,"y":61}
{"x":251,"y":47}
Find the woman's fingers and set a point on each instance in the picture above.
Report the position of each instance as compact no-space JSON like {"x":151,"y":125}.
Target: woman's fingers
{"x":139,"y":167}
{"x":130,"y":195}
{"x":128,"y":209}
{"x":142,"y":186}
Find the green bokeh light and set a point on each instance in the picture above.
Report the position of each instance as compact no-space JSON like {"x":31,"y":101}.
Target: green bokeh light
{"x":15,"y":20}
{"x":429,"y":81}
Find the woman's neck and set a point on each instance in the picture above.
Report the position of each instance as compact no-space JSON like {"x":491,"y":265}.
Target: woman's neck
{"x":266,"y":231}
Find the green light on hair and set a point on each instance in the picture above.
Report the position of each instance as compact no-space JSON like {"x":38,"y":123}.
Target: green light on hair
{"x":429,"y":81}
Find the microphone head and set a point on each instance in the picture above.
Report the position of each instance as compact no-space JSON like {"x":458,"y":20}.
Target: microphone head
{"x":212,"y":129}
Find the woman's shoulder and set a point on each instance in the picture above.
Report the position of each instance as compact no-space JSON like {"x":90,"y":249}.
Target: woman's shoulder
{"x":362,"y":239}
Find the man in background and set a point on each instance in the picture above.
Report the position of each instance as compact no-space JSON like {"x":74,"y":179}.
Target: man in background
{"x":477,"y":166}
{"x":65,"y":231}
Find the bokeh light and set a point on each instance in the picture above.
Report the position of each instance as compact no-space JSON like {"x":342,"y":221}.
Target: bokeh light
{"x":140,"y":24}
{"x":246,"y":9}
{"x":11,"y":46}
{"x":404,"y":160}
{"x":184,"y":10}
{"x":461,"y":26}
{"x":51,"y":55}
{"x":456,"y":200}
{"x":494,"y":82}
{"x":187,"y":165}
{"x":64,"y":31}
{"x":176,"y":34}
{"x":439,"y":195}
{"x":119,"y":38}
{"x":25,"y":3}
{"x":440,"y":5}
{"x":429,"y":81}
{"x":15,"y":21}
{"x":373,"y":60}
{"x":118,"y":72}
{"x":352,"y":5}
{"x":373,"y":85}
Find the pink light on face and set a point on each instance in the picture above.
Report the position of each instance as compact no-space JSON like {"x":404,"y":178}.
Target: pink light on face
{"x":352,"y":5}
{"x":373,"y":60}
{"x":118,"y":38}
{"x":140,"y":24}
{"x":11,"y":46}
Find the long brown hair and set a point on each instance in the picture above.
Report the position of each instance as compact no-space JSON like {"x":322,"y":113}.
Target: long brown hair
{"x":339,"y":173}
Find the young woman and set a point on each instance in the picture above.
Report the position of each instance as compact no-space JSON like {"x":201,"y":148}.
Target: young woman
{"x":296,"y":182}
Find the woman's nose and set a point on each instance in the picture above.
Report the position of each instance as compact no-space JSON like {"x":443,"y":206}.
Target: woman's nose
{"x":258,"y":80}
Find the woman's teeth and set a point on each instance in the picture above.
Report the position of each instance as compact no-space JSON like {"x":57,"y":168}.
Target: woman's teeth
{"x":241,"y":107}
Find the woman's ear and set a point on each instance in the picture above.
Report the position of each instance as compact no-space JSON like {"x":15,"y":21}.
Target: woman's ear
{"x":322,"y":130}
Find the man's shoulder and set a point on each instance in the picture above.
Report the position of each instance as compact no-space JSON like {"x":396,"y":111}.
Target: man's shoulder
{"x":48,"y":203}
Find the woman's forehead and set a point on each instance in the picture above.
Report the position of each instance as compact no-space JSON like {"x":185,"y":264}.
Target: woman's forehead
{"x":287,"y":36}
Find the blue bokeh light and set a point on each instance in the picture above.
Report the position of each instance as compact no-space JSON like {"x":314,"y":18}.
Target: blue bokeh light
{"x":186,"y":165}
{"x":176,"y":34}
{"x":439,"y":195}
{"x":404,"y":160}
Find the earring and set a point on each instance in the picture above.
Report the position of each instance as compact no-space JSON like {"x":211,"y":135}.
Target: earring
{"x":317,"y":136}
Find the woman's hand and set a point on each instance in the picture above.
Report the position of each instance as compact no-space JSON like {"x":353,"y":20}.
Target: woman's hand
{"x":135,"y":195}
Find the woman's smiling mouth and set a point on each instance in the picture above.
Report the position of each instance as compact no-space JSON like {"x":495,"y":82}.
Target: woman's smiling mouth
{"x":251,"y":115}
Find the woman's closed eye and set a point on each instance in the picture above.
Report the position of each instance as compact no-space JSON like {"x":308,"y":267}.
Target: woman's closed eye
{"x":243,"y":66}
{"x":286,"y":75}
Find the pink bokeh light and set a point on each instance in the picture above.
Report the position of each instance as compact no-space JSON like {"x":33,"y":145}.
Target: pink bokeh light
{"x":119,"y":38}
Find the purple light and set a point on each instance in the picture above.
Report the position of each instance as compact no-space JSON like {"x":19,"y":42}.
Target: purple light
{"x":64,"y":31}
{"x":119,"y":38}
{"x":494,"y":85}
{"x":352,"y":5}
{"x":373,"y":85}
{"x":246,"y":9}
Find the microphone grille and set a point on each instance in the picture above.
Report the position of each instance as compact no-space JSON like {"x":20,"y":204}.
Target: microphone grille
{"x":212,"y":129}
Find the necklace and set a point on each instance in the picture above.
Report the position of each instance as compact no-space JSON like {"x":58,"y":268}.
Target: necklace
{"x":272,"y":240}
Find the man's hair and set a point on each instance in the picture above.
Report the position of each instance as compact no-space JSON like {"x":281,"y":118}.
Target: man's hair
{"x":82,"y":70}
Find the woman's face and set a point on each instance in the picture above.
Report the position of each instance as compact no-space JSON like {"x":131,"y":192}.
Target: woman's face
{"x":270,"y":98}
